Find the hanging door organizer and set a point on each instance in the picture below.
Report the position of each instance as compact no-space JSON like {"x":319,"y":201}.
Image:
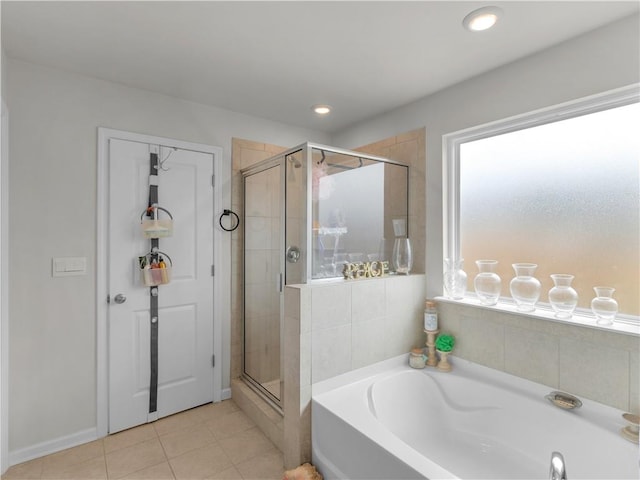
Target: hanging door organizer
{"x":155,"y":269}
{"x":155,"y":227}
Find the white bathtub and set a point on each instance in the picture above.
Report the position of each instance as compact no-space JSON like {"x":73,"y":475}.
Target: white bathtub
{"x":388,"y":421}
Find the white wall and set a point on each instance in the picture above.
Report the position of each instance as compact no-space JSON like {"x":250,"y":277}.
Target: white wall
{"x":52,"y":205}
{"x":4,"y":272}
{"x":601,"y":60}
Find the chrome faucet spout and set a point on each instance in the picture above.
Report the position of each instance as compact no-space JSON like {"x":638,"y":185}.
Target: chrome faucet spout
{"x":557,"y":471}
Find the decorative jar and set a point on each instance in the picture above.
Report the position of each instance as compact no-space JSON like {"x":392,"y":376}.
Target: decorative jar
{"x":417,"y":358}
{"x":487,"y":283}
{"x":562,"y":297}
{"x":455,"y":279}
{"x":604,"y":306}
{"x":402,"y":258}
{"x":524,"y":287}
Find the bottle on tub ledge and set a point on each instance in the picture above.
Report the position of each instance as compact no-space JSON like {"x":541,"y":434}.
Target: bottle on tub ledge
{"x":430,"y":316}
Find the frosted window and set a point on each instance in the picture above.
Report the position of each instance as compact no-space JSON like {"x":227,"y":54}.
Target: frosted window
{"x":564,"y":195}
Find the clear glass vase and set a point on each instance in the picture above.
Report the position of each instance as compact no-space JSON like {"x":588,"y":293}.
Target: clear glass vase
{"x":455,"y":279}
{"x":524,"y":287}
{"x":487,"y":283}
{"x":604,"y":306}
{"x":402,"y":258}
{"x":562,"y":297}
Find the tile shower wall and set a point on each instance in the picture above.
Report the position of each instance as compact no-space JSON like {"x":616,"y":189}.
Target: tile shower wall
{"x":409,"y":148}
{"x":335,"y":327}
{"x":590,"y":363}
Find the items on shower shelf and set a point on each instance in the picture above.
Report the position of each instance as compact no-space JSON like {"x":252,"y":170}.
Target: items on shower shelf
{"x":402,"y":256}
{"x":365,"y":269}
{"x":154,"y":227}
{"x":154,"y":269}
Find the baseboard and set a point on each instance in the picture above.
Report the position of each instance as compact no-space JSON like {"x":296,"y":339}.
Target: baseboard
{"x":226,"y":394}
{"x":52,"y":446}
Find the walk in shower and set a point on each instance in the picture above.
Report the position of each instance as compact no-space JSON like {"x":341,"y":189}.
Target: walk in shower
{"x":307,"y":212}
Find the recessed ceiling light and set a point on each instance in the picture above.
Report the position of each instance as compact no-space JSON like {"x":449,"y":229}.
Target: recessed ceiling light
{"x":482,"y":19}
{"x":321,"y":109}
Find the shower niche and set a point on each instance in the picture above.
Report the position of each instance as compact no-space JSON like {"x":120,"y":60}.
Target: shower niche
{"x":307,"y":212}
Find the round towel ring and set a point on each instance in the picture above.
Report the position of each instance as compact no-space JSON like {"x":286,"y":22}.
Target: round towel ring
{"x":226,"y":213}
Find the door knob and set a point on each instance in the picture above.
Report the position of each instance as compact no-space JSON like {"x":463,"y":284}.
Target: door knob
{"x":120,"y":298}
{"x":293,"y":254}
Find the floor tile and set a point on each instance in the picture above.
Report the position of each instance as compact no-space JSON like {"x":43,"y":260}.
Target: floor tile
{"x":25,"y":471}
{"x":94,"y":469}
{"x":59,"y":462}
{"x":131,"y":459}
{"x":246,"y":445}
{"x":200,"y":463}
{"x":162,"y":471}
{"x":212,"y":442}
{"x":185,"y":440}
{"x":212,"y":411}
{"x":231,"y":424}
{"x":269,"y":466}
{"x":178,"y":421}
{"x":228,"y":474}
{"x":129,"y":437}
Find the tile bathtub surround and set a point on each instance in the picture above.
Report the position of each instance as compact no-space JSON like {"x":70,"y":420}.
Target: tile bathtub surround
{"x":215,"y":441}
{"x":590,"y":363}
{"x":335,"y":327}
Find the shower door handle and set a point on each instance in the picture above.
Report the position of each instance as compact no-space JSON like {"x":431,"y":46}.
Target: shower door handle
{"x":293,"y":254}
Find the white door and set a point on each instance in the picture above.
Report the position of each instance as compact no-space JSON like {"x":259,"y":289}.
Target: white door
{"x":185,"y":305}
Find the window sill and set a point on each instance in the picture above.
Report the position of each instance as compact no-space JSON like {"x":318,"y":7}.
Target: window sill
{"x":541,"y":312}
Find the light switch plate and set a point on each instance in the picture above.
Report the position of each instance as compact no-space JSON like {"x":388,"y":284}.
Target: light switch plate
{"x":68,"y":266}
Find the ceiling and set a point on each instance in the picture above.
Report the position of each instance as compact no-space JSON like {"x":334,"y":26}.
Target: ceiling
{"x":276,"y":59}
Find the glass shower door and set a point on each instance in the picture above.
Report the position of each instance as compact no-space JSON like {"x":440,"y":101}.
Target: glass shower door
{"x":263,"y":267}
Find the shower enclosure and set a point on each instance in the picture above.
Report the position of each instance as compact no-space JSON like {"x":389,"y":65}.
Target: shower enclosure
{"x":307,"y":211}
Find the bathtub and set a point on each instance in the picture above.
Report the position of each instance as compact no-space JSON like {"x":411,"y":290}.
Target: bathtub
{"x":388,"y":421}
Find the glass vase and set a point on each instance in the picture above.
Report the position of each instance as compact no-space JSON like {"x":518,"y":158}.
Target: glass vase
{"x":524,"y":287}
{"x":604,"y":306}
{"x":487,"y":283}
{"x":402,"y":258}
{"x":562,"y":297}
{"x":455,"y":279}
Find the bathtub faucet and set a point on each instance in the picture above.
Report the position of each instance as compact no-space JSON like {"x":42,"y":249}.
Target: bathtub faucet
{"x":557,"y":470}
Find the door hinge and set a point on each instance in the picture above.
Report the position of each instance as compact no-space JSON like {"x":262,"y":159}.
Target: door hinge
{"x":213,"y":360}
{"x":213,"y":270}
{"x":213,"y":180}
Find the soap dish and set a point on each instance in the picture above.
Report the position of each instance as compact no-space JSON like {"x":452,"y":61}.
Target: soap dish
{"x":564,"y":400}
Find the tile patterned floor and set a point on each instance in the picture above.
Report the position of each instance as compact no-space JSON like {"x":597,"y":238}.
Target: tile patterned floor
{"x":213,"y":442}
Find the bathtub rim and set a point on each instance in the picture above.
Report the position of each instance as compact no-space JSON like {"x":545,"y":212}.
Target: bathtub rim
{"x":358,"y":381}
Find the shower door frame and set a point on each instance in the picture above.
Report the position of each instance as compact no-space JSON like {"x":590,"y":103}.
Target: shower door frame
{"x":272,"y":162}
